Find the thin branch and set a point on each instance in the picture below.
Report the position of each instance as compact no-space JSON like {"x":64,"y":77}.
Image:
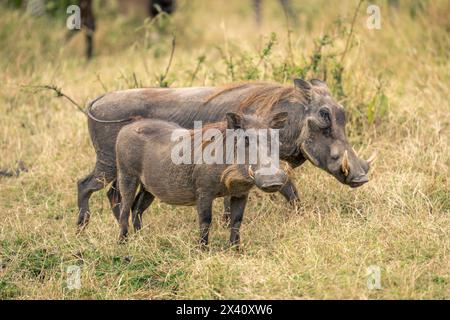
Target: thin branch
{"x":289,"y":33}
{"x":101,"y":83}
{"x":200,"y":61}
{"x":347,"y":43}
{"x":58,"y":92}
{"x":136,"y":84}
{"x":163,"y":77}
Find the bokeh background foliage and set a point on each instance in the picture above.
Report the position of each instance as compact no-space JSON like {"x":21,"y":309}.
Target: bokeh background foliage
{"x":394,"y":83}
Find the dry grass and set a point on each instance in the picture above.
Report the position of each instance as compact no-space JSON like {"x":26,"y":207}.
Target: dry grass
{"x":399,"y":221}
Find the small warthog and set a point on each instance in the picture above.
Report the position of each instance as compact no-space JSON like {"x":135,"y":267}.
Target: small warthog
{"x":144,"y":157}
{"x":314,"y":131}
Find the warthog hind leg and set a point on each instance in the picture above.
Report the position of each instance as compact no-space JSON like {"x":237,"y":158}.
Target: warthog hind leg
{"x":227,"y":211}
{"x":94,"y":181}
{"x":142,"y":201}
{"x":127,"y":186}
{"x":114,"y":199}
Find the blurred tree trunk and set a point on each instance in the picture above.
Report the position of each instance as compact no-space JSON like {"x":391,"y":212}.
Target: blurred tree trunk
{"x":88,"y":21}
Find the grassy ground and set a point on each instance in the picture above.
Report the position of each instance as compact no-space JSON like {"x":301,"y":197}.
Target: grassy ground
{"x":394,"y":83}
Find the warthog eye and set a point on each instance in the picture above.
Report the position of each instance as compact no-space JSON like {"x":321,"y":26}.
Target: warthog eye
{"x":325,"y":115}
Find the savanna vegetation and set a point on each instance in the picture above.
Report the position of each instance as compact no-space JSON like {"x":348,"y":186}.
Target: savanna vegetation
{"x":394,"y":83}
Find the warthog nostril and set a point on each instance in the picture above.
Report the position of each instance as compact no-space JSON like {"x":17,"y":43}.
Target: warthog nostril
{"x":270,"y":185}
{"x":358,"y":181}
{"x":361,"y":178}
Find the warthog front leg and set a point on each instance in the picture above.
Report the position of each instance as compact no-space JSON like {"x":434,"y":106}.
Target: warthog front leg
{"x":204,"y":209}
{"x":289,"y":192}
{"x":237,"y":205}
{"x":227,"y":210}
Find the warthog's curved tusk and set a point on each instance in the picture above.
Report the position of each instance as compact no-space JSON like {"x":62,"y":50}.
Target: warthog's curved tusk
{"x":250,"y":172}
{"x":372,"y":159}
{"x":344,"y":165}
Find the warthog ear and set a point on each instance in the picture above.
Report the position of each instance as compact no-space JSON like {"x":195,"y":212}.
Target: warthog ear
{"x":320,"y":84}
{"x":279,"y":120}
{"x":304,"y":87}
{"x":234,"y":121}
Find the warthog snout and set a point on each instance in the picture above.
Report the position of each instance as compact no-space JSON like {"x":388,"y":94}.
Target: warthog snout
{"x":276,"y":186}
{"x":355,"y":170}
{"x":269,"y":179}
{"x":358,"y":181}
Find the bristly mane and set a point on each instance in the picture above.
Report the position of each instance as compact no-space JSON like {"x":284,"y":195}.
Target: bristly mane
{"x":230,"y":87}
{"x":262,"y":95}
{"x":221,"y":126}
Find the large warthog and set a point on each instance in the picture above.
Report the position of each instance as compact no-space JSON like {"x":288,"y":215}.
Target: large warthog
{"x":314,"y":131}
{"x":145,"y":151}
